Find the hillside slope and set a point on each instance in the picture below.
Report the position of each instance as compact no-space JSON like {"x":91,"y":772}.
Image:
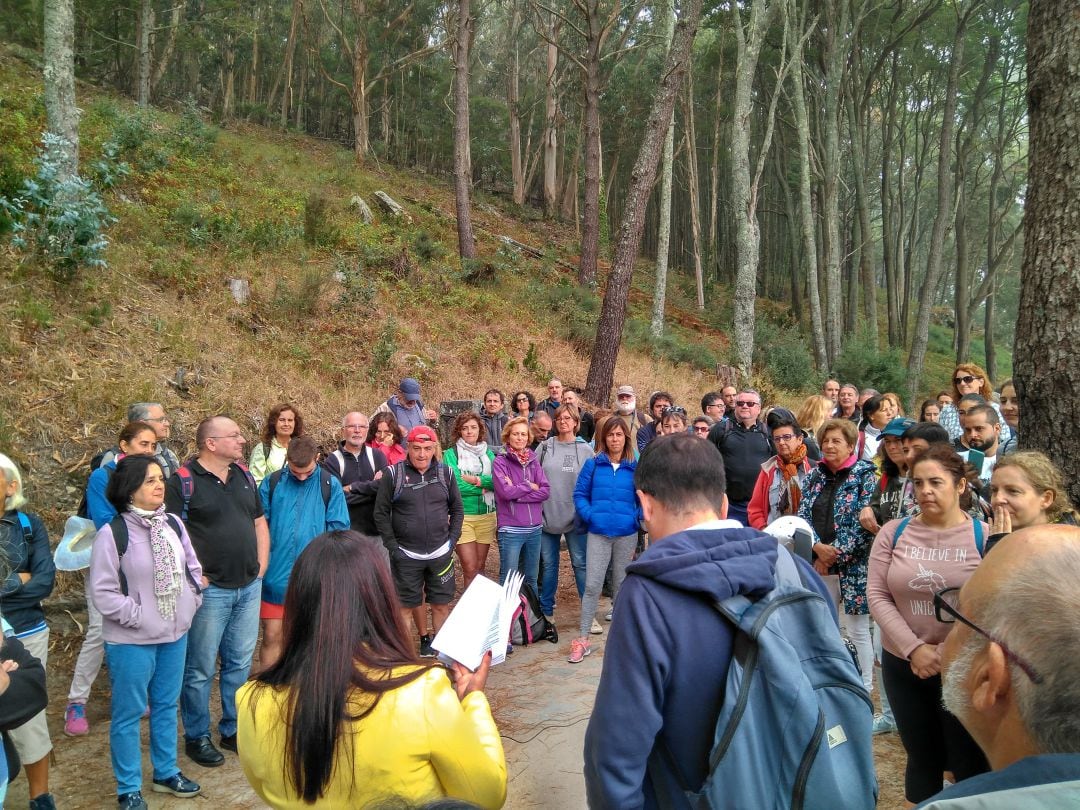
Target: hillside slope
{"x":338,"y":310}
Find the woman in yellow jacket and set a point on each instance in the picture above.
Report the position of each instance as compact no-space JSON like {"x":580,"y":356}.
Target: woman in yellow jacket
{"x":349,"y":716}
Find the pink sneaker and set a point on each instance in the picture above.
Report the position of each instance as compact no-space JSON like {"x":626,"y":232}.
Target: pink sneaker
{"x":75,"y":724}
{"x":579,"y":648}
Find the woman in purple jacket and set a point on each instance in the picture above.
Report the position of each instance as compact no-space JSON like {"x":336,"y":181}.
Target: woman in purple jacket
{"x":147,"y":597}
{"x":520,"y":491}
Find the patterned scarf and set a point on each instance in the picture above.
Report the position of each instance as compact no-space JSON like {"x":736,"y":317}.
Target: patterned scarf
{"x":167,"y":578}
{"x":521,"y":455}
{"x":474,"y":460}
{"x":791,"y":494}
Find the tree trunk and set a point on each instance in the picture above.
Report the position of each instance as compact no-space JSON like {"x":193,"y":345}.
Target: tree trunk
{"x":229,"y":79}
{"x":590,"y":222}
{"x":165,"y":57}
{"x":144,"y":26}
{"x":693,"y":183}
{"x":836,"y":24}
{"x":990,"y":350}
{"x":643,"y":175}
{"x":513,"y":102}
{"x":358,"y":93}
{"x":287,"y":65}
{"x":462,"y":158}
{"x":889,"y":222}
{"x":857,"y":124}
{"x":253,"y":76}
{"x":551,"y":140}
{"x":919,"y":340}
{"x":806,"y":209}
{"x":571,"y":168}
{"x":1047,"y":329}
{"x":61,"y":114}
{"x":663,"y":238}
{"x":747,"y":236}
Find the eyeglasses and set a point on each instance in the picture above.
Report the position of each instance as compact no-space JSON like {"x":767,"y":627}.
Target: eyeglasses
{"x":679,"y":409}
{"x":159,"y":419}
{"x":233,"y":436}
{"x":522,"y":399}
{"x":967,"y":379}
{"x":742,"y":403}
{"x":356,"y":427}
{"x":945,"y":612}
{"x":787,"y":437}
{"x":701,"y":428}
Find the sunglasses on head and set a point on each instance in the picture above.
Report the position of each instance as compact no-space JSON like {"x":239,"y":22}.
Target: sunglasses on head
{"x":967,"y":379}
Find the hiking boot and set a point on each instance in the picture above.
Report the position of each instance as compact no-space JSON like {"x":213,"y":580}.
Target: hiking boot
{"x":579,"y":648}
{"x":75,"y":724}
{"x":425,"y":647}
{"x":597,"y":628}
{"x":178,"y":785}
{"x":883,"y":725}
{"x":43,"y":802}
{"x":228,"y":742}
{"x":131,"y":801}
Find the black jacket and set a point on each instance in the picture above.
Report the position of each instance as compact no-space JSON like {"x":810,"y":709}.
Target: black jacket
{"x":357,"y":472}
{"x":25,"y":696}
{"x":425,"y":515}
{"x":744,"y":451}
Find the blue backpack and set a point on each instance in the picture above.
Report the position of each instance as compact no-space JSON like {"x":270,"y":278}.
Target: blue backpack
{"x":794,"y":730}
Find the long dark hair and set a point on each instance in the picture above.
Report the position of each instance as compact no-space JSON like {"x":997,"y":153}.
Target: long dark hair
{"x":387,"y":418}
{"x":343,"y":631}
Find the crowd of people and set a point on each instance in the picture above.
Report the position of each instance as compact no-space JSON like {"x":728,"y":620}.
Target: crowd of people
{"x":343,"y":560}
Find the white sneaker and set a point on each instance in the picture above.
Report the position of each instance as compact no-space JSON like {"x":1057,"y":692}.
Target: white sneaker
{"x":607,"y":617}
{"x":597,"y":628}
{"x":883,"y":725}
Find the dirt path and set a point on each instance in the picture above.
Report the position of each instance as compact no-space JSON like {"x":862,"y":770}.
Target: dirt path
{"x":540,"y":702}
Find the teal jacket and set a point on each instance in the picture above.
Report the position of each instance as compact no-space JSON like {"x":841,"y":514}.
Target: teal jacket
{"x":297,"y":516}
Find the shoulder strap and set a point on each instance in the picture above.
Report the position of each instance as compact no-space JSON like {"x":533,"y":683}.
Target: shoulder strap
{"x":398,"y":474}
{"x":903,"y":525}
{"x":28,"y":530}
{"x":444,"y":474}
{"x":326,"y":487}
{"x":543,"y":451}
{"x":120,"y":537}
{"x":247,"y":474}
{"x":978,"y":535}
{"x":370,"y":458}
{"x":275,"y":477}
{"x":339,"y":458}
{"x":187,"y":489}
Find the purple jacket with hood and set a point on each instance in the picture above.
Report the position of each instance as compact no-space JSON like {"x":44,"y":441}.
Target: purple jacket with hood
{"x":517,"y":504}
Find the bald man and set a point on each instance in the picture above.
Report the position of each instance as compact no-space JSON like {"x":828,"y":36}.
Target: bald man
{"x":1011,"y":673}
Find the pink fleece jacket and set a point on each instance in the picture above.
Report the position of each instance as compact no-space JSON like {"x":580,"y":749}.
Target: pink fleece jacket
{"x":902,"y":580}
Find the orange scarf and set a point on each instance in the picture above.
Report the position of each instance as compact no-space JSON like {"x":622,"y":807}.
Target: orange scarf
{"x":790,"y":472}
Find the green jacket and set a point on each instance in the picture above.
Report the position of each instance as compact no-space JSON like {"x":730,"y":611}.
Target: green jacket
{"x":472,"y":497}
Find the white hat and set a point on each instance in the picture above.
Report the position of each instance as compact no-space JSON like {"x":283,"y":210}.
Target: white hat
{"x":73,"y":551}
{"x":784,"y":529}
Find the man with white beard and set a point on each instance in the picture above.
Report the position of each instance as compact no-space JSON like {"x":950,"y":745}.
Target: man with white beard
{"x":626,"y":407}
{"x":1009,"y":672}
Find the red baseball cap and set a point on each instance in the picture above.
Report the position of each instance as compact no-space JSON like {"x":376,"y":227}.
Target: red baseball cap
{"x":421,"y":433}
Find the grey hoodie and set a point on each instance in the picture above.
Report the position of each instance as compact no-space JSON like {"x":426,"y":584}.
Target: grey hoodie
{"x":561,"y":462}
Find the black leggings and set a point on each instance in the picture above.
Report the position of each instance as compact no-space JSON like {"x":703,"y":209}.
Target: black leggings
{"x":933,"y":738}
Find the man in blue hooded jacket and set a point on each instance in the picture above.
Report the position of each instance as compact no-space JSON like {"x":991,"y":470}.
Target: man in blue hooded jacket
{"x":667,"y":655}
{"x":298,"y":511}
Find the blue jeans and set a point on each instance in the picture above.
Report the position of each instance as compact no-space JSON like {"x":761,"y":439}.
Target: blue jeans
{"x":138,"y":672}
{"x":549,"y":564}
{"x":520,"y":551}
{"x":227,"y":624}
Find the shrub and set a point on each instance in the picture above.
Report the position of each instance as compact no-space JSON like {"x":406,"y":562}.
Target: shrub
{"x":59,"y":219}
{"x":781,"y":352}
{"x":382,"y":353}
{"x":192,"y":136}
{"x":427,"y":248}
{"x":299,"y":301}
{"x":358,"y":288}
{"x":574,"y":310}
{"x":860,"y":363}
{"x":318,"y":230}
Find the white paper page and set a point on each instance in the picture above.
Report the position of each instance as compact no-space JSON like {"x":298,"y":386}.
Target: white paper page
{"x":511,"y":600}
{"x":473,"y":626}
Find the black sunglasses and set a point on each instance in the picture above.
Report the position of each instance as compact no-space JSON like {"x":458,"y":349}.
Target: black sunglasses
{"x":945,"y":611}
{"x":967,"y":379}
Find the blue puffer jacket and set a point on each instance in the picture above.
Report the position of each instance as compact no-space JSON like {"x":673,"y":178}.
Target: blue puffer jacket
{"x":605,"y":498}
{"x":297,"y":516}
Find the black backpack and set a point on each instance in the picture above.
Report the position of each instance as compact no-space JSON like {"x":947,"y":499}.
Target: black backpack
{"x":324,"y":477}
{"x":529,"y":624}
{"x":84,"y":508}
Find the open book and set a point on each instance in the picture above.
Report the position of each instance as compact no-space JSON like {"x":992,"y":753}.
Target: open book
{"x":480,"y":622}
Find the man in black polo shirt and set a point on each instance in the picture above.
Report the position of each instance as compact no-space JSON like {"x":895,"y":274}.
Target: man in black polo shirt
{"x":745,"y":446}
{"x":420,"y":525}
{"x":221,"y":508}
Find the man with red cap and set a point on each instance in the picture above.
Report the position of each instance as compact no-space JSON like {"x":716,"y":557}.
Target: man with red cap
{"x":418,"y":512}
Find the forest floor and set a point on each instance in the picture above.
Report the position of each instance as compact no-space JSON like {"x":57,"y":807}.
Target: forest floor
{"x":540,"y":702}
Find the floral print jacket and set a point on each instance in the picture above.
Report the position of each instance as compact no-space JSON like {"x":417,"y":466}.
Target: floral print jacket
{"x":851,"y":540}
